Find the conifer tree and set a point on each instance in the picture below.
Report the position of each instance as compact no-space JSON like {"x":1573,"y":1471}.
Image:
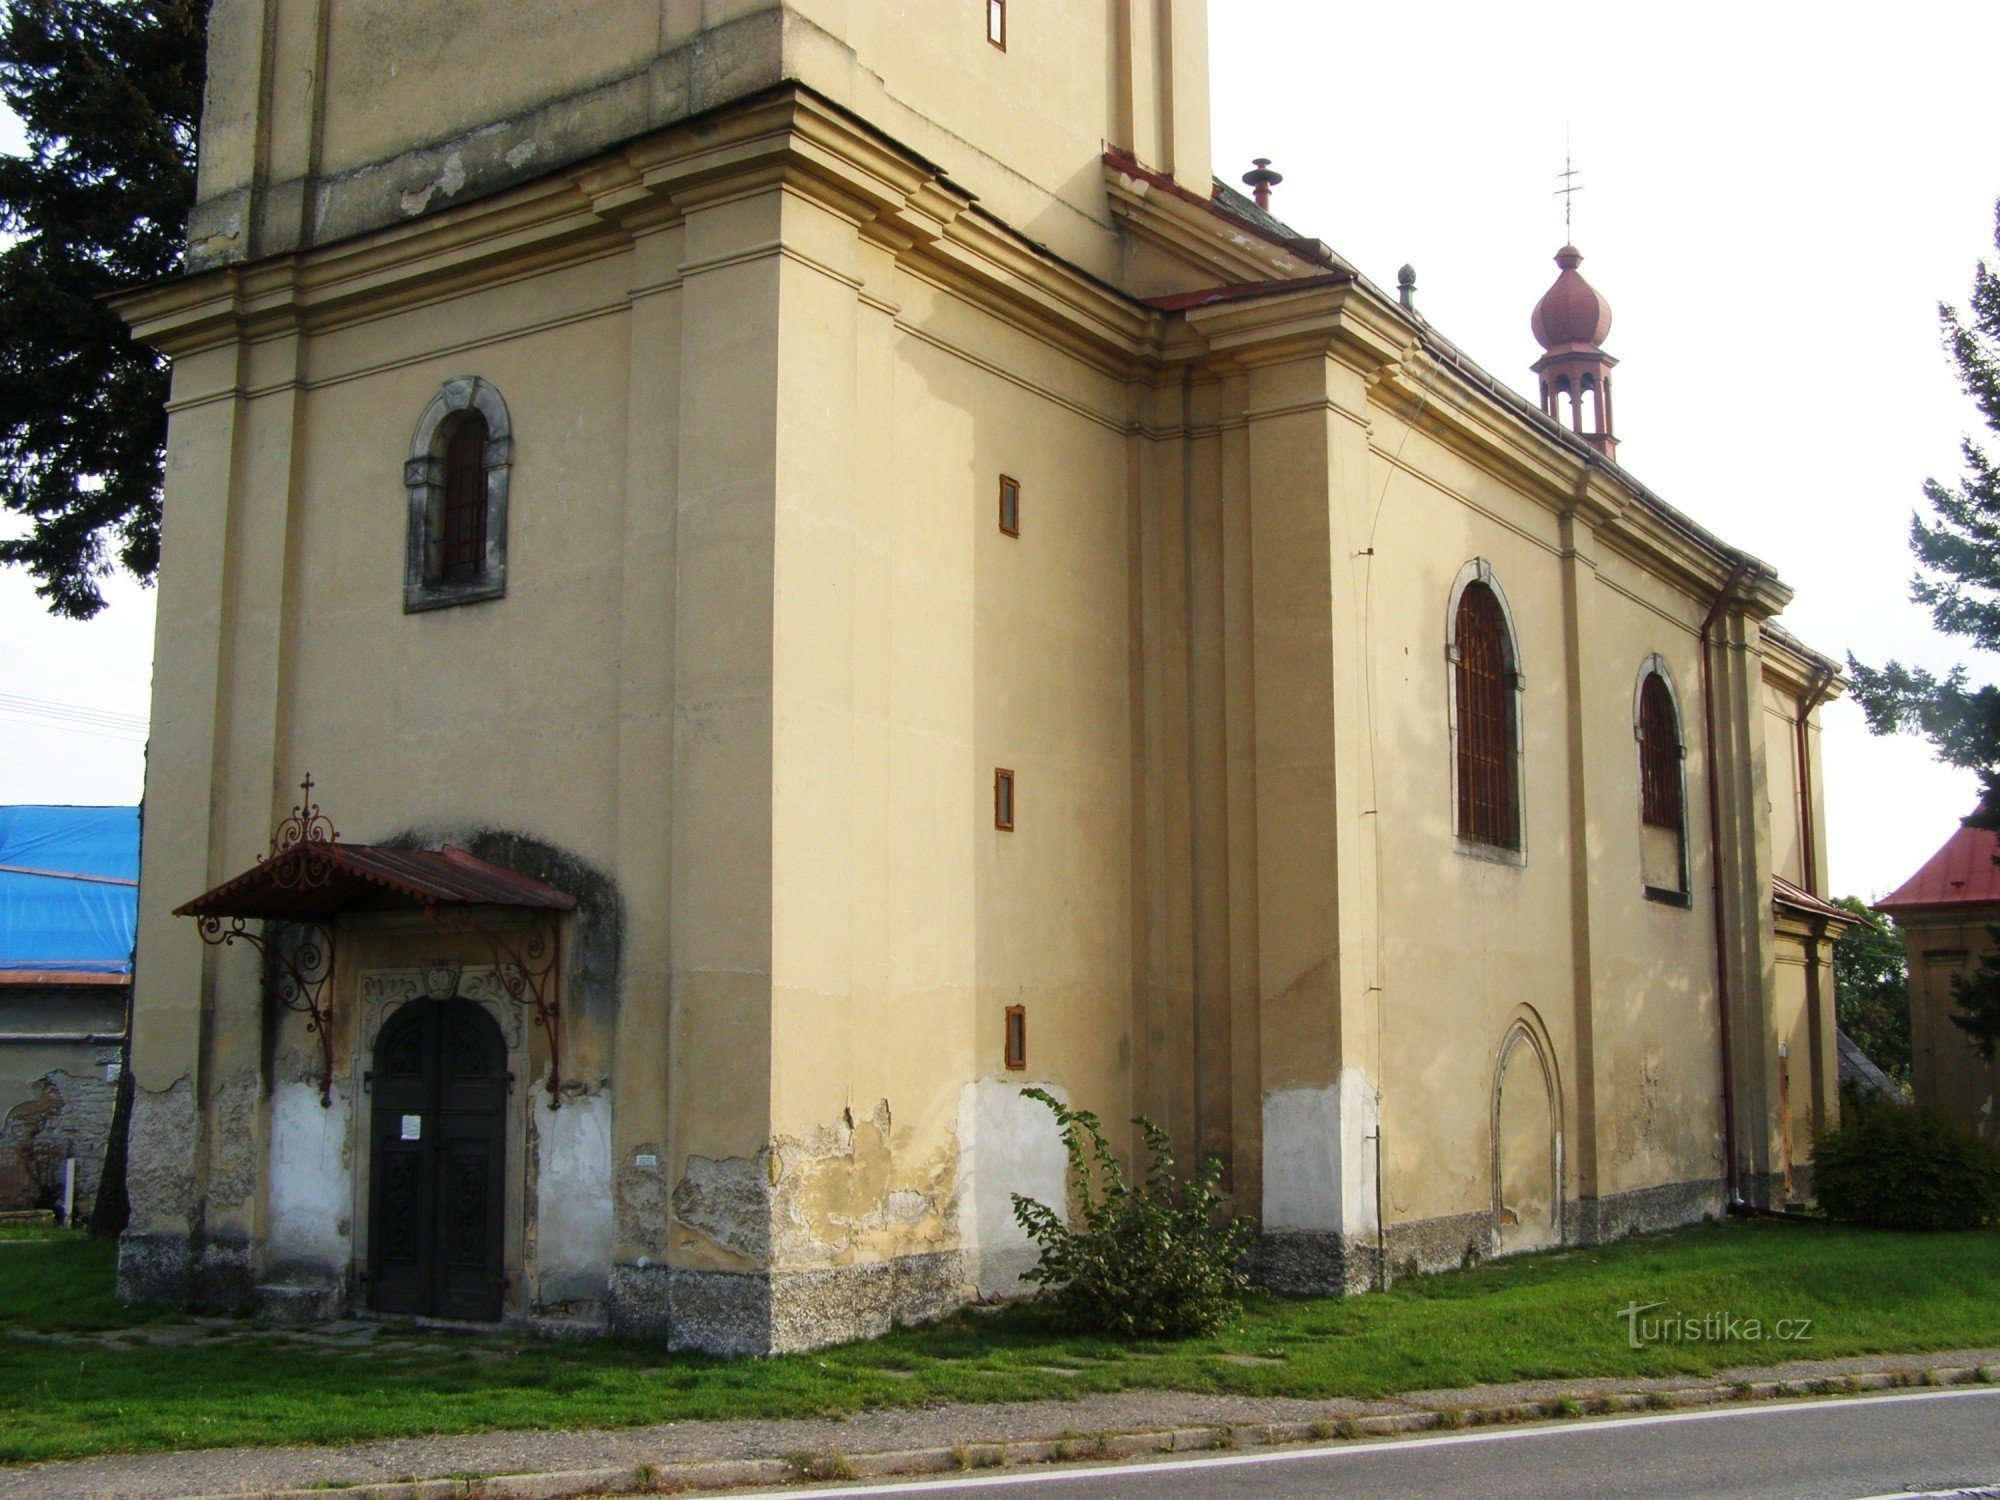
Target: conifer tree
{"x":1958,"y":580}
{"x":110,"y":93}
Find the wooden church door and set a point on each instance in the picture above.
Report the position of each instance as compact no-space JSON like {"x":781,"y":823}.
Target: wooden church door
{"x":437,"y":1175}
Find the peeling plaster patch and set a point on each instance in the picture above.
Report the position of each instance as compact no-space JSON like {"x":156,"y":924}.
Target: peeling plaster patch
{"x":842,"y":1195}
{"x":641,"y":1204}
{"x":448,"y":182}
{"x":1008,"y":1144}
{"x":845,"y":1193}
{"x":728,"y":1203}
{"x":68,"y":1117}
{"x":310,"y":1180}
{"x":1318,"y":1160}
{"x":232,"y":1140}
{"x":161,"y":1150}
{"x":522,"y":154}
{"x":217,"y":244}
{"x":574,"y":1196}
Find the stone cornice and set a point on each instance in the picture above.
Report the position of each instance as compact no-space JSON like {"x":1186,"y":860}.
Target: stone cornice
{"x":1796,"y":668}
{"x":789,"y":139}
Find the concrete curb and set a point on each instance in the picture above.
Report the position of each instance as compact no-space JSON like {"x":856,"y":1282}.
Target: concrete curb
{"x":800,"y":1468}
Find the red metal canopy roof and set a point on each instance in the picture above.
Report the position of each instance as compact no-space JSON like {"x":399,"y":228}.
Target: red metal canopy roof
{"x":1784,"y":893}
{"x":324,"y":878}
{"x":1962,"y":873}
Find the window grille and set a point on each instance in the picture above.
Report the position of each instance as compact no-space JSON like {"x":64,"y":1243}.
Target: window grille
{"x":462,"y":551}
{"x":1659,"y":755}
{"x":1487,"y":752}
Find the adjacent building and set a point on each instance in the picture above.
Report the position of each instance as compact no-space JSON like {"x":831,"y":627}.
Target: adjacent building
{"x":69,"y":898}
{"x":1948,"y":912}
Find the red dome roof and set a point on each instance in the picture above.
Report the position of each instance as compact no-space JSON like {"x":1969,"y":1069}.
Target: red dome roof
{"x":1571,"y":312}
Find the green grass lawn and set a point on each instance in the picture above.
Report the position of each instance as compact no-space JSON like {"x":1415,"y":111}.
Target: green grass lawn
{"x":79,"y":1375}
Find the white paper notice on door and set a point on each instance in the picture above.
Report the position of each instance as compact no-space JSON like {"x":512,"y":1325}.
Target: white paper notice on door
{"x":413,"y":1127}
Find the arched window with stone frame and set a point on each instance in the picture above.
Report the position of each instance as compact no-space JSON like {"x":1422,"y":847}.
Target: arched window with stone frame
{"x":456,"y":481}
{"x":1656,"y":725}
{"x":1485,"y":717}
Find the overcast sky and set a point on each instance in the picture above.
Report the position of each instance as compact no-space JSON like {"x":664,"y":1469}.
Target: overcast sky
{"x":1776,"y":197}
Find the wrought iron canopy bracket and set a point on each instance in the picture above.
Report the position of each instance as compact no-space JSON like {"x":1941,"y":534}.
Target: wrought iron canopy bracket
{"x":300,"y":974}
{"x":528,"y":967}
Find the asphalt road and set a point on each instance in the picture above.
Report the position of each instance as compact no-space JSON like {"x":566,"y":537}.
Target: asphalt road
{"x":1917,"y":1442}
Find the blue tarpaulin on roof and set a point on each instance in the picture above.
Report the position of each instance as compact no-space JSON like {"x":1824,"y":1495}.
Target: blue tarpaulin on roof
{"x":69,"y":888}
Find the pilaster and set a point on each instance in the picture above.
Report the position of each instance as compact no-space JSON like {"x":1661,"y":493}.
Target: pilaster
{"x":1307,"y":441}
{"x":1594,"y":748}
{"x":642,"y":1081}
{"x":1744,"y":889}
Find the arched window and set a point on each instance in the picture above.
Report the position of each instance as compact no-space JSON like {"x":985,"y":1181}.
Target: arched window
{"x":1662,"y":802}
{"x":456,"y":481}
{"x":1488,"y":747}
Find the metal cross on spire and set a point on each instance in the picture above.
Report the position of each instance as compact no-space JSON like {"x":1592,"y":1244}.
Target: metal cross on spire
{"x":1569,"y":189}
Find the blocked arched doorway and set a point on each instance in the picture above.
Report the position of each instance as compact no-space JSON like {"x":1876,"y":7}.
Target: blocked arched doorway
{"x":438,"y":1163}
{"x":1527,"y":1145}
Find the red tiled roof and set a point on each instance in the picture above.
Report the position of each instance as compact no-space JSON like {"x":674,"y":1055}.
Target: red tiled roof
{"x":324,"y":879}
{"x":1962,"y":873}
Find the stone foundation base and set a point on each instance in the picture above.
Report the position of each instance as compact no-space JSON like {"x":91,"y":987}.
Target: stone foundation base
{"x":1598,"y":1221}
{"x":296,"y":1303}
{"x":1311,"y":1263}
{"x":743,"y":1312}
{"x":1447,"y":1243}
{"x":225,"y":1278}
{"x":155,"y":1268}
{"x":1324,"y":1264}
{"x":639,"y":1303}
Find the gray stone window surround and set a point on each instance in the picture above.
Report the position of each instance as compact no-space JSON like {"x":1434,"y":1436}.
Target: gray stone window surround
{"x":423,"y":480}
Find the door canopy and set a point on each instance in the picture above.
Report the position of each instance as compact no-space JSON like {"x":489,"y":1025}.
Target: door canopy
{"x":310,"y":878}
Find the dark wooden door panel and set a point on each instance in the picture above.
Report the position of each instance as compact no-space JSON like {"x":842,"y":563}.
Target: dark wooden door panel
{"x":438,"y":1171}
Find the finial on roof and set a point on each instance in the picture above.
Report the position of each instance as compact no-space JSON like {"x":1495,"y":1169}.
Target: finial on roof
{"x":1260,"y":179}
{"x":1406,"y":287}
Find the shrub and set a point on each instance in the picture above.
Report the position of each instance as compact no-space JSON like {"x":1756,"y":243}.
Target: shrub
{"x":1157,"y":1261}
{"x":1901,"y":1167}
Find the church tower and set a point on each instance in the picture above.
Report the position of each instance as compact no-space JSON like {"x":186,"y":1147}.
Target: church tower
{"x":1570,"y":323}
{"x":324,"y":121}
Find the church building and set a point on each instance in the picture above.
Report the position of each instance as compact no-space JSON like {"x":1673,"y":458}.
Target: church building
{"x":822,"y":569}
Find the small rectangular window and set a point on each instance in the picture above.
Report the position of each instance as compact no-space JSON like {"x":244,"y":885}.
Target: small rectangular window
{"x":1017,"y":1037}
{"x":996,"y":23}
{"x":1003,"y":800}
{"x":1010,"y":506}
